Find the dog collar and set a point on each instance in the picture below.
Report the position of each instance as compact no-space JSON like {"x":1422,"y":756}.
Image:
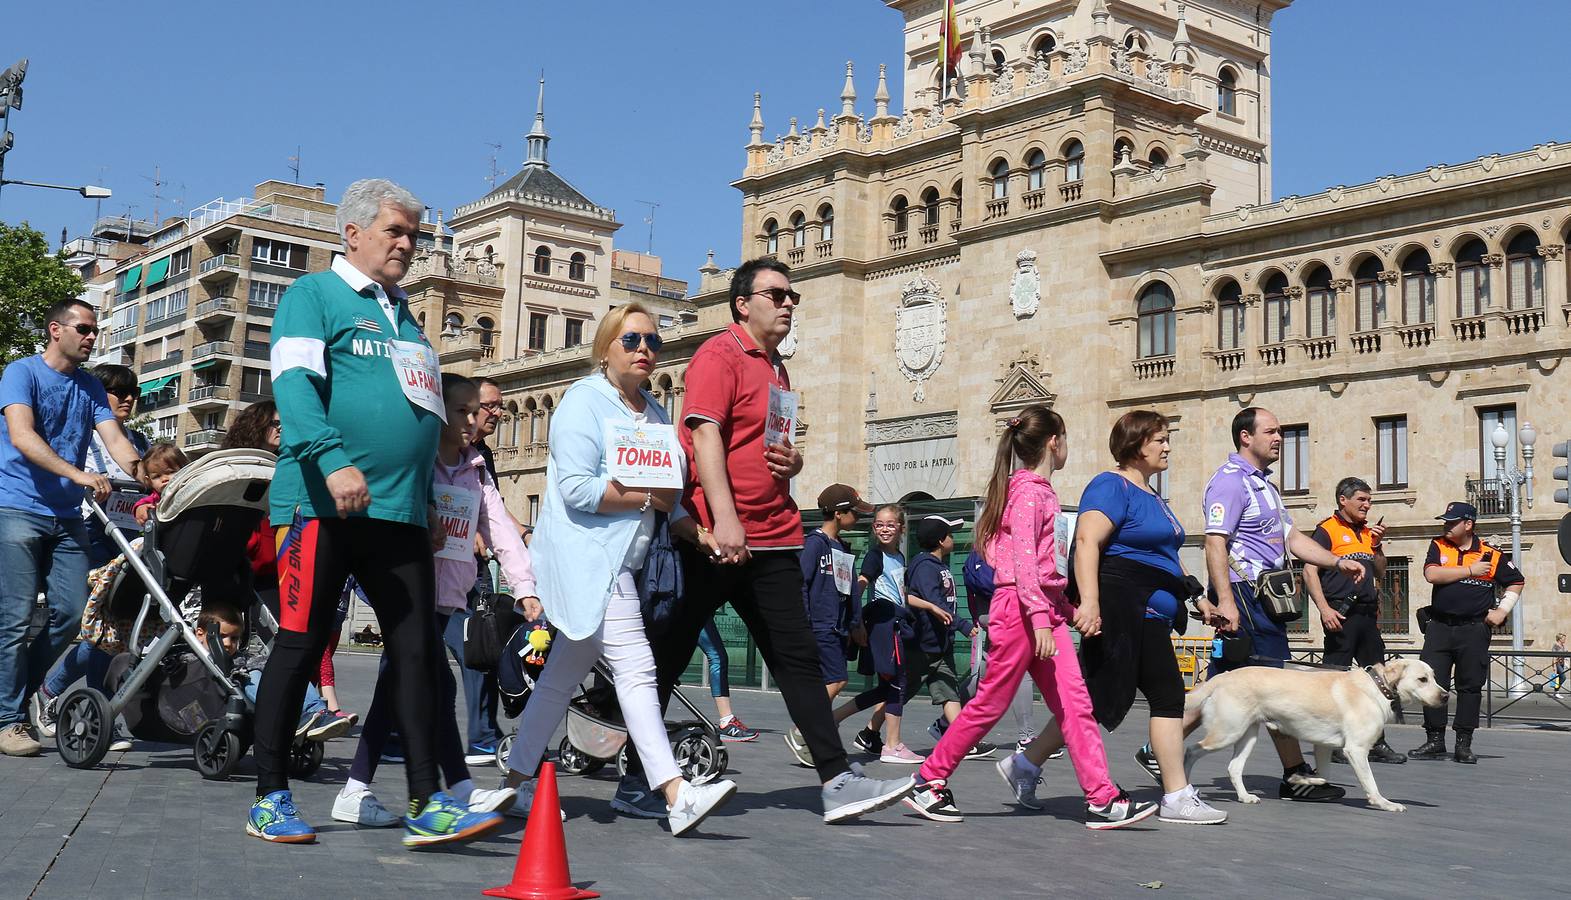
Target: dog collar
{"x":1385,"y":689}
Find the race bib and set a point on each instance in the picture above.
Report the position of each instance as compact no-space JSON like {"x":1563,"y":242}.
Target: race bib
{"x":118,"y":506}
{"x":780,"y":426}
{"x":643,"y":455}
{"x":419,"y":374}
{"x":459,"y":510}
{"x":1063,"y":535}
{"x":844,"y":564}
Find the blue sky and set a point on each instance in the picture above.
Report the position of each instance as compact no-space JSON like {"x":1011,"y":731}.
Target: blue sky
{"x":650,"y":101}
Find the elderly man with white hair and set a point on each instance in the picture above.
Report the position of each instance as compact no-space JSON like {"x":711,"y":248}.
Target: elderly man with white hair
{"x":360,"y":401}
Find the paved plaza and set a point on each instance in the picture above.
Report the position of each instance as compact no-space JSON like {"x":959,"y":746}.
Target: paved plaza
{"x":145,"y":824}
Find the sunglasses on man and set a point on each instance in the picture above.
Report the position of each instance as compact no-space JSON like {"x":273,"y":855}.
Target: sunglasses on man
{"x":82,"y":328}
{"x":632,"y":339}
{"x":779,"y":296}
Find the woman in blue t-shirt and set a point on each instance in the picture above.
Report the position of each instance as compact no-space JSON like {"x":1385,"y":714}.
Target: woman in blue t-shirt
{"x":1127,"y":571}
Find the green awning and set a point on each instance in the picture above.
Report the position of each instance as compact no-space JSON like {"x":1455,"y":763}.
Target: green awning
{"x":156,"y":273}
{"x":157,"y":384}
{"x":206,"y":363}
{"x":131,"y":280}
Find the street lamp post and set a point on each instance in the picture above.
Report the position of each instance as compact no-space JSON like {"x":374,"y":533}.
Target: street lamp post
{"x":1510,"y":483}
{"x":90,"y":191}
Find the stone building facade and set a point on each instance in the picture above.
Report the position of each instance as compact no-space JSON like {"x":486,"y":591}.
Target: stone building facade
{"x":1085,"y":219}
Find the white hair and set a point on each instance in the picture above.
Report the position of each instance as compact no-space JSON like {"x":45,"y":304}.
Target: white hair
{"x":363,"y":201}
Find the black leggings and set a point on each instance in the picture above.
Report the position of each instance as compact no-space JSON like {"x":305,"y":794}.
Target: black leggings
{"x":379,"y":724}
{"x":392,"y":561}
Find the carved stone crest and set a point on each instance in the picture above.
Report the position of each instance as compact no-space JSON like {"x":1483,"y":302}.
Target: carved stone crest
{"x":787,"y":348}
{"x":921,"y":331}
{"x":1025,"y":291}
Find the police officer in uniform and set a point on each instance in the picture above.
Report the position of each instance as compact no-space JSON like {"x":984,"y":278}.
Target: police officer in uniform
{"x":1349,"y":609}
{"x":1466,"y":574}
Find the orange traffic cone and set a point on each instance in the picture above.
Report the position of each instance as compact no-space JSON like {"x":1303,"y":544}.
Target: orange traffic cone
{"x":541,"y":870}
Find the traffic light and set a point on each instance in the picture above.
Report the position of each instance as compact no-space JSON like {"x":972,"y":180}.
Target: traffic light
{"x":1562,"y":450}
{"x":11,"y":85}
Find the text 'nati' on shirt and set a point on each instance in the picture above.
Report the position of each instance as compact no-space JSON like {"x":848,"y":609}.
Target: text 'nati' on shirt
{"x":341,"y":401}
{"x":66,"y":409}
{"x":728,"y":383}
{"x":1242,"y":504}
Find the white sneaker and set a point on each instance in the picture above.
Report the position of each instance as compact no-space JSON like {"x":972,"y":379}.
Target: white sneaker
{"x":523,"y":801}
{"x":1022,"y":779}
{"x":1191,"y":810}
{"x":694,"y":803}
{"x":362,"y":808}
{"x":482,"y":800}
{"x":122,"y":740}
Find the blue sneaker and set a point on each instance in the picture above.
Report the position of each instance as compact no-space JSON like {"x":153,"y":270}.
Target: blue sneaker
{"x":274,"y":818}
{"x":446,"y":821}
{"x":481,"y":754}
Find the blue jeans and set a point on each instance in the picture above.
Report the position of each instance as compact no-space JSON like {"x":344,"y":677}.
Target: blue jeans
{"x":313,"y":699}
{"x":82,"y":661}
{"x":719,"y":667}
{"x":480,"y":688}
{"x":45,"y":553}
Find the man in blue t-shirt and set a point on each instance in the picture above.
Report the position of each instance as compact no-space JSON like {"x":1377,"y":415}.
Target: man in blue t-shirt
{"x":51,"y":410}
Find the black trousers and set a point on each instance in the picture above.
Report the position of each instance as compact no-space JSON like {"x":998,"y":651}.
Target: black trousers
{"x":1358,"y":641}
{"x":393,"y":563}
{"x":1464,"y":648}
{"x":766,"y":591}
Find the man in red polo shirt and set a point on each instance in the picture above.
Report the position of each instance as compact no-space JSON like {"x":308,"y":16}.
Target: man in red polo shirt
{"x":740,"y":488}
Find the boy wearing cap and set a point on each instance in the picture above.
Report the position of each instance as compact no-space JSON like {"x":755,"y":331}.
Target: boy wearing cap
{"x":1467,"y":575}
{"x":931,"y":590}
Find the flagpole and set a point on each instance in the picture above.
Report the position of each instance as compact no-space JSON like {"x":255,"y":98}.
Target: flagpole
{"x":943,"y":55}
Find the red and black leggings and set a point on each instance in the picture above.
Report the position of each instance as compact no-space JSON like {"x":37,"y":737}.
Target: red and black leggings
{"x":392,"y":561}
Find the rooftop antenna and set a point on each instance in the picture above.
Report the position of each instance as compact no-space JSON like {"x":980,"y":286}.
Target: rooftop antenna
{"x":129,"y":208}
{"x":294,"y":164}
{"x":650,"y":221}
{"x":98,"y":205}
{"x":158,"y":185}
{"x":495,"y":172}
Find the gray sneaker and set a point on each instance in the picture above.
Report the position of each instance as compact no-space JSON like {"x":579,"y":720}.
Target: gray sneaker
{"x":798,"y":747}
{"x":634,"y":798}
{"x":1022,"y":779}
{"x":41,"y":709}
{"x":1191,"y":810}
{"x":851,"y":794}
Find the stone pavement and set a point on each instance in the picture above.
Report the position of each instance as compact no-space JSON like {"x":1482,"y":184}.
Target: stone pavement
{"x":145,"y":824}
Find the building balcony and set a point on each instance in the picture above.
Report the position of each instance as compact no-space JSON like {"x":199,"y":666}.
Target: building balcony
{"x":897,"y":242}
{"x":1071,"y":190}
{"x":208,"y":396}
{"x":212,"y":348}
{"x":1484,"y":494}
{"x":1523,"y":321}
{"x":824,"y":249}
{"x":1318,"y":348}
{"x":1228,"y":360}
{"x":206,"y":439}
{"x":1031,"y":201}
{"x":1366,"y":341}
{"x":173,"y":359}
{"x":928,"y":234}
{"x":217,"y":268}
{"x":1274,"y":354}
{"x":997,"y":209}
{"x":795,"y":255}
{"x":121,"y":335}
{"x":216,"y":309}
{"x":1416,"y":336}
{"x":1154,"y":367}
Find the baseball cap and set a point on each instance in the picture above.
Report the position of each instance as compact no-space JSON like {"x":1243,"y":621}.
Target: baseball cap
{"x":1456,"y":510}
{"x":931,"y":530}
{"x":842,"y":497}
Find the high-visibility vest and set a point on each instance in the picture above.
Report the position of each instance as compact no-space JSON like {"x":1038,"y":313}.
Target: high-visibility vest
{"x":1347,"y":541}
{"x":1452,"y":555}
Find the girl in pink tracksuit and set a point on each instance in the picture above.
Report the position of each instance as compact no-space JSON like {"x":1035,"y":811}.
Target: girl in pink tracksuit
{"x":1029,"y":630}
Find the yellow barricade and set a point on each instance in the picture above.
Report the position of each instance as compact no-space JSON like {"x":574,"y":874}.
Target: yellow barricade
{"x":1194,"y":657}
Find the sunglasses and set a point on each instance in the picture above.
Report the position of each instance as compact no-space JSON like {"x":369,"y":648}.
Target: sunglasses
{"x":493,"y":406}
{"x":276,"y":425}
{"x":83,"y":328}
{"x":631,"y":340}
{"x":779,"y":296}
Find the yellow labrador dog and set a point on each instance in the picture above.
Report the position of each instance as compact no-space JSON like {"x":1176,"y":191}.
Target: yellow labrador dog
{"x":1329,"y":709}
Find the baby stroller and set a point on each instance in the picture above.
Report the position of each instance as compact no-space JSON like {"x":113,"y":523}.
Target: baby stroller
{"x":595,"y":730}
{"x":194,"y":542}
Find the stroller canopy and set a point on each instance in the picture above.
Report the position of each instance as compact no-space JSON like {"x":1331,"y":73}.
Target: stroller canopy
{"x":233,"y":478}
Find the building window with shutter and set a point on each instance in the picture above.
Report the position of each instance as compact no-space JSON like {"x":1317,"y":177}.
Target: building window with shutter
{"x":537,"y":324}
{"x":1391,"y":452}
{"x":575,"y":332}
{"x":1294,"y":467}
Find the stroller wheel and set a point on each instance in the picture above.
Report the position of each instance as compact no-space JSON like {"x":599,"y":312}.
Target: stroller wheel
{"x":504,"y":749}
{"x":698,"y":755}
{"x":218,"y":752}
{"x":85,"y":728}
{"x":573,"y":761}
{"x":305,"y":757}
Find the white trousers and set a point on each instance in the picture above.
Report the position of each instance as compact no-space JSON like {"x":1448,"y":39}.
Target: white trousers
{"x":621,"y":641}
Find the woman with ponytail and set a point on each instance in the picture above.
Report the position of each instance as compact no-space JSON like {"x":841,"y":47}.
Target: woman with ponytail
{"x":1030,"y":632}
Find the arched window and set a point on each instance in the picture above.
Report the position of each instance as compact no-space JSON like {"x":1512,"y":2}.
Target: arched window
{"x":1321,"y":303}
{"x":954,"y":198}
{"x":1418,"y":289}
{"x":1227,"y":92}
{"x":421,"y":319}
{"x":930,"y":206}
{"x":512,"y":424}
{"x":1122,"y":147}
{"x":1157,"y":321}
{"x":1524,"y":273}
{"x":999,"y":60}
{"x":1134,"y":40}
{"x":547,"y":406}
{"x":1044,"y":45}
{"x":452,"y":323}
{"x":1472,"y":279}
{"x":542,"y":260}
{"x":1036,"y":169}
{"x":902,"y":210}
{"x":576,"y":267}
{"x":1074,"y":161}
{"x":1230,"y":317}
{"x":826,"y":223}
{"x":1278,"y":311}
{"x":1158,"y":158}
{"x":533,"y":415}
{"x":487,"y":330}
{"x":771,"y":237}
{"x":1370,"y":294}
{"x":999,"y":171}
{"x":798,"y":230}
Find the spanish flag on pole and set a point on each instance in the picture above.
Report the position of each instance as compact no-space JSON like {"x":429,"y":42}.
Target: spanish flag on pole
{"x":949,"y":39}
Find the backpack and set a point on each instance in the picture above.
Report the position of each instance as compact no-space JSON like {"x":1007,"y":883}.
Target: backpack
{"x":978,"y":576}
{"x":660,"y":580}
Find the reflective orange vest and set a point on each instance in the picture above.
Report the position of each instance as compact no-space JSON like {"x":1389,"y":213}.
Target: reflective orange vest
{"x":1347,"y":541}
{"x":1452,"y":555}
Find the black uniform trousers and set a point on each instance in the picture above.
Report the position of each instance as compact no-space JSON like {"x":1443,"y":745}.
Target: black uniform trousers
{"x":1359,"y":640}
{"x":1465,"y":648}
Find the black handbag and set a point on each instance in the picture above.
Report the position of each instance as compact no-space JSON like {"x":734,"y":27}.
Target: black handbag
{"x":490,"y":623}
{"x":660,"y":581}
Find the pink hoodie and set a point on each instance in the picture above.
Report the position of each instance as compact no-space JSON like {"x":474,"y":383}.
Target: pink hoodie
{"x":454,"y":578}
{"x":1024,"y":552}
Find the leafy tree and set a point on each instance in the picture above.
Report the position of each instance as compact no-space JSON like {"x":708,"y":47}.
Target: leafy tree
{"x":31,"y":278}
